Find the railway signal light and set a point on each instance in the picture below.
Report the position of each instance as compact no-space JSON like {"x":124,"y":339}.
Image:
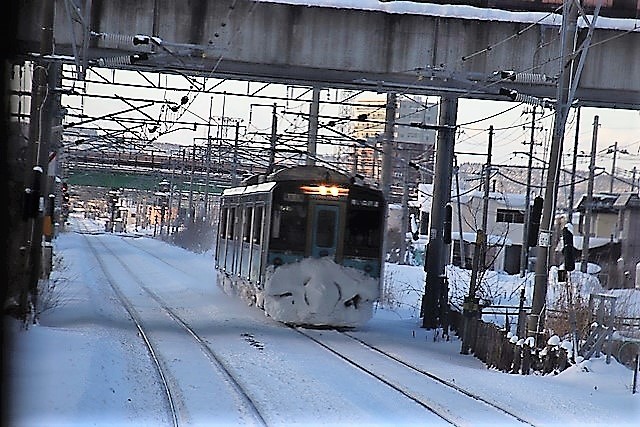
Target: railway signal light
{"x":534,"y":222}
{"x":567,"y":250}
{"x":448,"y":214}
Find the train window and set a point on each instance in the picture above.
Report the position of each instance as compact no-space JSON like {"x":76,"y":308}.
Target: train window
{"x":222,"y":229}
{"x":288,"y":228}
{"x":362,"y":234}
{"x":232,"y":222}
{"x":257,"y":225}
{"x":246,"y":231}
{"x":326,"y":224}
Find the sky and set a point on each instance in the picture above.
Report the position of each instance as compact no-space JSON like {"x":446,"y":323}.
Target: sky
{"x":84,"y":362}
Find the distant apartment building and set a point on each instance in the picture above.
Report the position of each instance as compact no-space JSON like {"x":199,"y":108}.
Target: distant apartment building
{"x":413,"y":145}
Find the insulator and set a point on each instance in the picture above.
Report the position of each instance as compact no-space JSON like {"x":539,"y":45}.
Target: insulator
{"x":117,"y":39}
{"x":528,"y":99}
{"x":115,"y":61}
{"x":531,"y":78}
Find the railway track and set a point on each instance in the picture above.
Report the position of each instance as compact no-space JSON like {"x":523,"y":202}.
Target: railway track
{"x":449,"y":401}
{"x":443,"y":398}
{"x":177,"y":408}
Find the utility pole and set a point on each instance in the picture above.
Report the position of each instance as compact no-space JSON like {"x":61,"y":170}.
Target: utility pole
{"x":273,"y":139}
{"x":404,"y":226}
{"x":573,"y":167}
{"x":193,"y":161}
{"x":456,"y":170}
{"x":184,"y":154}
{"x":387,"y":145}
{"x":615,"y":151}
{"x":535,"y":324}
{"x":312,"y":137}
{"x":485,"y":199}
{"x":481,"y":233}
{"x":524,"y":253}
{"x":434,"y":261}
{"x":354,"y":166}
{"x":471,"y":308}
{"x":586,"y":226}
{"x":613,"y":166}
{"x":385,"y":179}
{"x":234,"y":166}
{"x":207,"y":177}
{"x":39,"y":137}
{"x":208,"y":167}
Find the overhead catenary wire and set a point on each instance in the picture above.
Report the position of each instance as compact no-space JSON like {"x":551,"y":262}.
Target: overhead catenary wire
{"x":510,"y":108}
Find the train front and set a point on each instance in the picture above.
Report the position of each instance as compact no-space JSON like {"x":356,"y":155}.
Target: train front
{"x":325,"y":253}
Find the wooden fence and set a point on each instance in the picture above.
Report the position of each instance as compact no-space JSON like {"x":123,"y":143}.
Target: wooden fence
{"x":493,"y":347}
{"x":491,"y":344}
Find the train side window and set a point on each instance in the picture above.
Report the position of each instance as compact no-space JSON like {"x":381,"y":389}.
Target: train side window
{"x":246,"y":232}
{"x":275,"y":224}
{"x":257,"y":225}
{"x":232,"y":222}
{"x":222,"y":229}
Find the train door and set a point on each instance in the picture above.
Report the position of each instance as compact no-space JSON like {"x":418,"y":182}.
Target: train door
{"x":324,"y":230}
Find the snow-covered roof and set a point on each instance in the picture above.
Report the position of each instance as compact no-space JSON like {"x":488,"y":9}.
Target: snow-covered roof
{"x":510,"y":200}
{"x":492,"y":239}
{"x":594,"y":242}
{"x":234,"y":191}
{"x":460,"y":12}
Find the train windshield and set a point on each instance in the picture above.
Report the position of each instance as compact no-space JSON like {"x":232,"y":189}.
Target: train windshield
{"x":363,"y":233}
{"x":289,"y":227}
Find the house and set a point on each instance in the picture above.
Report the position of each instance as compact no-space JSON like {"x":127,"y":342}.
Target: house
{"x":628,"y":265}
{"x":505,"y":226}
{"x":614,"y":235}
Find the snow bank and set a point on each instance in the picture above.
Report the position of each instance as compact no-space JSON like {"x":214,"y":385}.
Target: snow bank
{"x":319,"y":292}
{"x":461,"y":12}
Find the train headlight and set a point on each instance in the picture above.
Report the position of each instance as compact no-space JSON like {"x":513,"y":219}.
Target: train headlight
{"x":324,"y":190}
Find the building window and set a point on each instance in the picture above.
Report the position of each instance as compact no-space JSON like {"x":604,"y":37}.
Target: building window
{"x":510,"y":216}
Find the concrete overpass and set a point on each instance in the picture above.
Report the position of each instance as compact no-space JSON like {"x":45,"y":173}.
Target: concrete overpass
{"x":384,"y":50}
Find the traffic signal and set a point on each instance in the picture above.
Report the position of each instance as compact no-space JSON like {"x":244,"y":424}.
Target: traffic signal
{"x":534,"y":222}
{"x":448,"y":213}
{"x":65,"y":193}
{"x":567,"y":250}
{"x":31,"y":201}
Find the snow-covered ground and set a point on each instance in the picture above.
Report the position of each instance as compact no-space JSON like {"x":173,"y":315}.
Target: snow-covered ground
{"x":85,"y":364}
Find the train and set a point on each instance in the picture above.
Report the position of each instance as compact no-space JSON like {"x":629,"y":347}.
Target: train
{"x":304,"y":244}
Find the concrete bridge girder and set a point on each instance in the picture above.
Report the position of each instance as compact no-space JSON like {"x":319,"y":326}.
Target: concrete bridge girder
{"x":359,"y":49}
